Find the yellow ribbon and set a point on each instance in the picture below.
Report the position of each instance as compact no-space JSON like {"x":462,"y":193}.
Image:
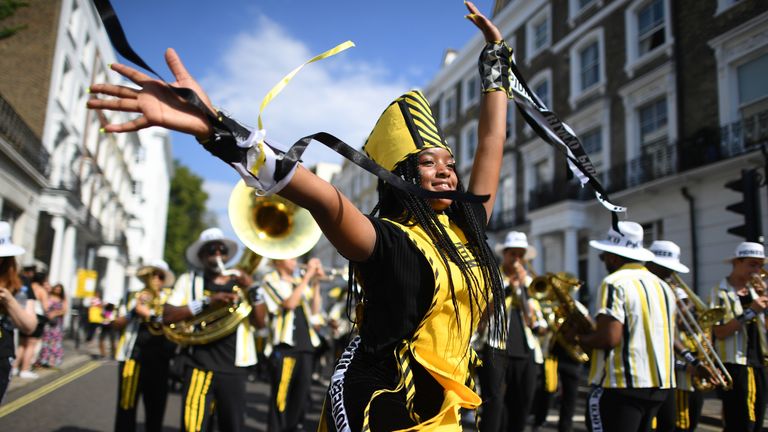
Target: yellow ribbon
{"x":280,"y":86}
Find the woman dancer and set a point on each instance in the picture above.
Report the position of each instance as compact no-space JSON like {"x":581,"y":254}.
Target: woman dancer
{"x":426,"y":273}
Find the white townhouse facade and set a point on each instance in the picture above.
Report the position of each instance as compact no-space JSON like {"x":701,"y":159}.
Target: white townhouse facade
{"x":99,"y":202}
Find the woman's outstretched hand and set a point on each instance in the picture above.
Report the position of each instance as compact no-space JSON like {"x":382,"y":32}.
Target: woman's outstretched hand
{"x":156,"y":103}
{"x":491,"y":33}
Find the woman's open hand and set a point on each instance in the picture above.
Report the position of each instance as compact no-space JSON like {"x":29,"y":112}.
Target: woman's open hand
{"x":156,"y":103}
{"x":490,"y":31}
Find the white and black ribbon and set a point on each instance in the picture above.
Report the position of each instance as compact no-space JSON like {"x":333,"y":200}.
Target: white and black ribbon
{"x":120,"y":42}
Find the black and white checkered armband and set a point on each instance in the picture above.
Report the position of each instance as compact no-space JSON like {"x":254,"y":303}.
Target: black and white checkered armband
{"x":494,"y":64}
{"x":261,"y":165}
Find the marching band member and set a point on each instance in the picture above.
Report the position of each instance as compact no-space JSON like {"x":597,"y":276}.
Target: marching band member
{"x":633,"y":344}
{"x":291,"y":302}
{"x":508,"y":374}
{"x":424,"y":267}
{"x":215,"y":375}
{"x":16,"y":310}
{"x":740,"y":339}
{"x":144,"y":353}
{"x":682,"y":409}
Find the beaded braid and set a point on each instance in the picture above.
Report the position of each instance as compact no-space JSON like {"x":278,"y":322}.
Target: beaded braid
{"x":410,"y":209}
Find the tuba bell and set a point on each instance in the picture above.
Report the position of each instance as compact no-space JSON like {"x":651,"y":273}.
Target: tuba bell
{"x":568,"y":313}
{"x":270,"y":227}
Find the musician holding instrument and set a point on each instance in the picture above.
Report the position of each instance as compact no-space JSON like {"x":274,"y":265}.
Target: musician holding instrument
{"x":292,"y":301}
{"x":632,"y":345}
{"x":143,"y":352}
{"x":740,"y":338}
{"x":682,"y":409}
{"x":215,"y":372}
{"x":508,"y":374}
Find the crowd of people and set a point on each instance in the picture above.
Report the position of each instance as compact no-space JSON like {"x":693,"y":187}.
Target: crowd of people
{"x":431,"y":323}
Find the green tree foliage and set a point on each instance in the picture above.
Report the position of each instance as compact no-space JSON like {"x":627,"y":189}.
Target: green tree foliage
{"x":7,"y":9}
{"x":186,"y":215}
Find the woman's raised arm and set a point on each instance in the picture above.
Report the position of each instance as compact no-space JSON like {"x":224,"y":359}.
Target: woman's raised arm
{"x":342,"y":223}
{"x":492,"y":126}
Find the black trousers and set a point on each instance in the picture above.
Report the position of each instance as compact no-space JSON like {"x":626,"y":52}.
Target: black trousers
{"x":147,"y":378}
{"x":542,"y":398}
{"x":207,"y":391}
{"x":623,"y":410}
{"x":568,"y":372}
{"x":507,"y":385}
{"x":289,"y":400}
{"x":744,"y":405}
{"x":5,"y":375}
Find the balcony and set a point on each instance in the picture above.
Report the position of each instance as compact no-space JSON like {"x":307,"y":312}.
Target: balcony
{"x":505,"y":219}
{"x":662,"y":159}
{"x":22,"y":139}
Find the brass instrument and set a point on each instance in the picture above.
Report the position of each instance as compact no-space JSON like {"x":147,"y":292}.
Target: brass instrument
{"x":152,"y":300}
{"x":568,"y":313}
{"x":696,"y":330}
{"x":270,"y":227}
{"x":755,"y":281}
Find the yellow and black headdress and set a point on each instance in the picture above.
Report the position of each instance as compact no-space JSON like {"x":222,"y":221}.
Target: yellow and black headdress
{"x":406,"y":127}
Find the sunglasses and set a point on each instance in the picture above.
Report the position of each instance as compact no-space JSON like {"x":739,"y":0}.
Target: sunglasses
{"x":212,"y":248}
{"x":159,"y":275}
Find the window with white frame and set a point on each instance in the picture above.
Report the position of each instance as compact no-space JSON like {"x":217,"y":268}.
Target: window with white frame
{"x":742,"y":59}
{"x":468,"y":144}
{"x":539,"y":32}
{"x":542,"y":174}
{"x":650,"y":27}
{"x":541,"y":86}
{"x":649,"y":32}
{"x":753,"y":86}
{"x":73,"y":26}
{"x":652,"y":119}
{"x":448,"y":108}
{"x":471,"y":91}
{"x":592,"y":141}
{"x":508,"y":194}
{"x":587,"y":66}
{"x":66,"y":84}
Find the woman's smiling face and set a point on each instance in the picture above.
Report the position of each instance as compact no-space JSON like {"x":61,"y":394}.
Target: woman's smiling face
{"x":437,"y":170}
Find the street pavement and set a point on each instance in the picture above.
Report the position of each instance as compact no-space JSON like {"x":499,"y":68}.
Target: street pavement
{"x":80,"y":396}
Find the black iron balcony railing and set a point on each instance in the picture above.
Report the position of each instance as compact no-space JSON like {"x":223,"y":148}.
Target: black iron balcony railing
{"x":665,"y":159}
{"x":24,"y":141}
{"x":506,"y":219}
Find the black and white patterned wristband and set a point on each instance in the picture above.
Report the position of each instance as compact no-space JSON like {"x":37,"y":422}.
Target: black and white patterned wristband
{"x":494,"y":64}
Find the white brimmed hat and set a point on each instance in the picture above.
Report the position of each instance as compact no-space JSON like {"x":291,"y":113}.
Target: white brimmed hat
{"x":517,"y":240}
{"x":628,"y":243}
{"x":7,"y":248}
{"x":667,"y":254}
{"x":208,"y":236}
{"x":748,"y":250}
{"x":157,"y":265}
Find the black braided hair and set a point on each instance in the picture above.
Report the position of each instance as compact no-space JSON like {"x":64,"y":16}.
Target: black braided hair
{"x":409,"y":209}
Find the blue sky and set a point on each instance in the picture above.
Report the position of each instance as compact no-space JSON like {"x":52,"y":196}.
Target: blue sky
{"x":239,"y":49}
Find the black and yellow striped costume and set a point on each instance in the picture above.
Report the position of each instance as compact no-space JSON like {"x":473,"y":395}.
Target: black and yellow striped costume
{"x":143,"y":372}
{"x":742,"y":353}
{"x":410,"y":366}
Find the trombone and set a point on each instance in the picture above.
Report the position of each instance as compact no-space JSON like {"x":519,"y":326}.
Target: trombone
{"x":695,"y":329}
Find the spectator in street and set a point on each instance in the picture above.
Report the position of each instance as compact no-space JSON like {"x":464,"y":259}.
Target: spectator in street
{"x":52,"y":351}
{"x":28,"y":343}
{"x":16,"y":311}
{"x":107,"y":332}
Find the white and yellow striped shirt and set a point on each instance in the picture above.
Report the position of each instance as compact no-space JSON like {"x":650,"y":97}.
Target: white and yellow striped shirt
{"x":282,"y":320}
{"x":733,"y":349}
{"x":645,"y":306}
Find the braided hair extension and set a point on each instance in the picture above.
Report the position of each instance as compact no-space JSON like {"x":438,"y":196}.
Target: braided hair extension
{"x":409,"y":209}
